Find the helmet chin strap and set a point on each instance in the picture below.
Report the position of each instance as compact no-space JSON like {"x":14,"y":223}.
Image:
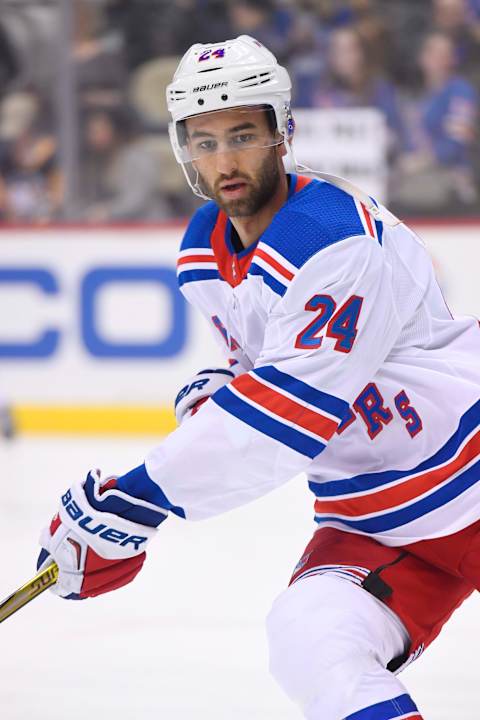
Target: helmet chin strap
{"x":197,"y":188}
{"x":194,"y":184}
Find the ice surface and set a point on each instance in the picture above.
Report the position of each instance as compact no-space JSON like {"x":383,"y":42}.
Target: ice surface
{"x":186,"y":639}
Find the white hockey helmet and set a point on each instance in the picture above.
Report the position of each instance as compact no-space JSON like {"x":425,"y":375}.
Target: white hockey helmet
{"x":236,"y":73}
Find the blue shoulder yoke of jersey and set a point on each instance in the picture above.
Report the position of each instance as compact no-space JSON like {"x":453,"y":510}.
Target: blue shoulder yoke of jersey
{"x":200,"y":227}
{"x":318,"y":216}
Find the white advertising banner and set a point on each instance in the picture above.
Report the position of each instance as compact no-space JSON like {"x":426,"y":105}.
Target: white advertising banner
{"x":455,"y":252}
{"x":94,"y":318}
{"x":349,"y":143}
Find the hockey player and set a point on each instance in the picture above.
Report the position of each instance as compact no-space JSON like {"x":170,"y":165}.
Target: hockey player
{"x":346,"y":364}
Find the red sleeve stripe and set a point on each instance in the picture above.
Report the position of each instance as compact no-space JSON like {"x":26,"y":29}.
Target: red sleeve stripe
{"x":285,"y":408}
{"x":195,"y":259}
{"x":368,"y":220}
{"x":406,"y":490}
{"x":276,"y":265}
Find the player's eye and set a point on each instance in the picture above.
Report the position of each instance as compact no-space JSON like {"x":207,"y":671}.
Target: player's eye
{"x":244,"y":139}
{"x":206,"y":146}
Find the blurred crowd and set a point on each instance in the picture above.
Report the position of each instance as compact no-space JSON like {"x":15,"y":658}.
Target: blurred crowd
{"x":416,"y":61}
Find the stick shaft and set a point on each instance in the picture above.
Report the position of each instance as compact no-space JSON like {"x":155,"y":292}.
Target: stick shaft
{"x":42,"y":580}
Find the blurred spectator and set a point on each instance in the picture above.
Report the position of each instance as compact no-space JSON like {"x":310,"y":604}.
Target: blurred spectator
{"x":350,"y":82}
{"x":436,"y":168}
{"x":454,"y":18}
{"x":474,"y":13}
{"x":373,"y":30}
{"x":312,"y":24}
{"x":159,"y":28}
{"x":100,"y":69}
{"x":264,"y":21}
{"x":311,"y":31}
{"x":407,"y":22}
{"x":120,"y":176}
{"x":328,"y":13}
{"x":30,"y":182}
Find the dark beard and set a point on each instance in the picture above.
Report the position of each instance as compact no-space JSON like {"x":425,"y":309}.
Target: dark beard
{"x":261,"y":190}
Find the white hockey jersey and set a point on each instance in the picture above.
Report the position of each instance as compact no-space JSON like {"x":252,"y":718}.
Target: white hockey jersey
{"x":351,"y":368}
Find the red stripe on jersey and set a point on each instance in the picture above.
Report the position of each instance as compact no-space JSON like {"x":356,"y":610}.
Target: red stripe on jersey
{"x":368,"y":220}
{"x":302,"y":181}
{"x":217,"y":241}
{"x":285,"y":407}
{"x":232,"y":268}
{"x":195,"y":258}
{"x":279,"y":268}
{"x":406,"y":491}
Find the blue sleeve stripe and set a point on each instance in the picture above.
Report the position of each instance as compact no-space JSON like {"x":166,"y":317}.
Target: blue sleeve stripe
{"x":139,"y":484}
{"x":268,"y":279}
{"x":267,"y":425}
{"x":394,"y":709}
{"x":192,"y":275}
{"x":379,"y":226}
{"x":390,"y":520}
{"x":369,"y":481}
{"x":322,"y":400}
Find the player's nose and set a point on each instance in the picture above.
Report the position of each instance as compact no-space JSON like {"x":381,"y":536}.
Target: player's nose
{"x":226,"y":163}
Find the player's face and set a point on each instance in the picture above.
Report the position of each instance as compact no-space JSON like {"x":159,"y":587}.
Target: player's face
{"x":238,"y":165}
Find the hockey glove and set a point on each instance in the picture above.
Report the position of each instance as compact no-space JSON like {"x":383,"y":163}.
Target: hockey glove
{"x":98,"y":538}
{"x":198,"y":389}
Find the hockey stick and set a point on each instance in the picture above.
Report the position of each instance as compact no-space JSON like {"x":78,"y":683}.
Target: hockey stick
{"x":42,"y":580}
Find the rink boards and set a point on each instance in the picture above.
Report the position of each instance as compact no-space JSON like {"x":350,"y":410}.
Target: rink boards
{"x":95,"y":336}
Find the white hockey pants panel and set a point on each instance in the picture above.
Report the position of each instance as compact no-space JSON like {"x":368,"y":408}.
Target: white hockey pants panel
{"x":330,"y":642}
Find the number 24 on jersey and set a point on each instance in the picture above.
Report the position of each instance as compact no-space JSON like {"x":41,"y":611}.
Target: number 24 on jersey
{"x":340,"y":324}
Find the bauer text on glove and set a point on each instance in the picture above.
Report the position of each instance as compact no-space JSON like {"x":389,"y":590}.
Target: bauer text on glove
{"x":98,"y":538}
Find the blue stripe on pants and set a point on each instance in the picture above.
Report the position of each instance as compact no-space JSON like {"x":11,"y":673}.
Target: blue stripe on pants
{"x":388,"y":710}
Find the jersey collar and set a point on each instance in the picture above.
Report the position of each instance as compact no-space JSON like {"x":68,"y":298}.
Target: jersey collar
{"x":233,"y":266}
